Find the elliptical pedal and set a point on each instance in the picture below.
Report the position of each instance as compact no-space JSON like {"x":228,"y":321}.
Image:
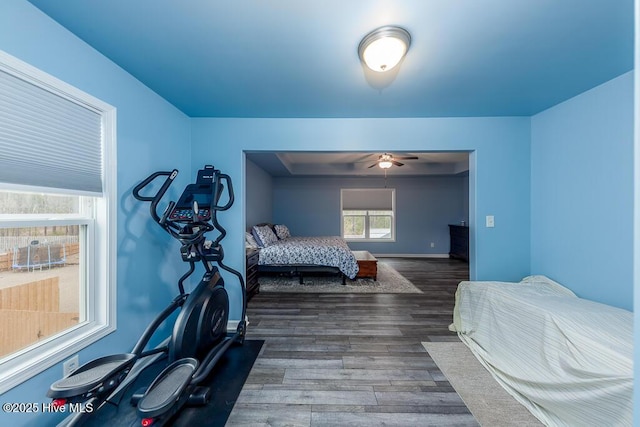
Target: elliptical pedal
{"x":165,"y":391}
{"x":96,"y":376}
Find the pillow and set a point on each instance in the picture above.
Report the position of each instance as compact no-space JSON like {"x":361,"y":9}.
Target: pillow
{"x":282,"y":231}
{"x":250,"y":241}
{"x":264,"y":235}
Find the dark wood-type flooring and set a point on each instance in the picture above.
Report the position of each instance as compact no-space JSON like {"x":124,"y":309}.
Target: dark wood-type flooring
{"x":354,"y":359}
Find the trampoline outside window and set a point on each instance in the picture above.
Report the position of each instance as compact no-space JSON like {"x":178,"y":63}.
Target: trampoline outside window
{"x":42,"y":267}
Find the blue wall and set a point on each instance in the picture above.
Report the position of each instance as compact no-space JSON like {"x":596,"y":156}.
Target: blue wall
{"x":501,"y":187}
{"x":258,"y":195}
{"x":310,"y":206}
{"x":582,"y":193}
{"x":149,"y":132}
{"x":563,"y":177}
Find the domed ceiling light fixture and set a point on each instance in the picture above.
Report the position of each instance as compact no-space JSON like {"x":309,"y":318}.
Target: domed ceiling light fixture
{"x":383,"y":48}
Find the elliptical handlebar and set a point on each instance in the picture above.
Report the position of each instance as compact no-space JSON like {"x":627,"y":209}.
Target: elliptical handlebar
{"x":227,"y":178}
{"x":158,"y":196}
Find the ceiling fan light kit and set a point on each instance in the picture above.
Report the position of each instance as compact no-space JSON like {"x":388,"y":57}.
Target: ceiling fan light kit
{"x":386,"y":160}
{"x":383,"y":48}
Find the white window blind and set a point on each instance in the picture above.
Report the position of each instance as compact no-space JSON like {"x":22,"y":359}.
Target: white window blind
{"x":48,"y":140}
{"x":367,"y":199}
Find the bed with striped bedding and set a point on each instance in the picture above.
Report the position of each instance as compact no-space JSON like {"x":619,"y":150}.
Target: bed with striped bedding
{"x":567,"y":359}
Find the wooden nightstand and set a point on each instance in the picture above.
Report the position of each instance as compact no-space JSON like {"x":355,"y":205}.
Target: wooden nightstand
{"x":253,"y":287}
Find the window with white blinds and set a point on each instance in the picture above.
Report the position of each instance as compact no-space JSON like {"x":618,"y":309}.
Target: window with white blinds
{"x":48,"y":138}
{"x":57,"y":220}
{"x":368,"y":214}
{"x":367,"y":198}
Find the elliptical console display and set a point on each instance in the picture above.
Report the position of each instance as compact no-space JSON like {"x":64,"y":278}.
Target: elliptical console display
{"x":204,"y":194}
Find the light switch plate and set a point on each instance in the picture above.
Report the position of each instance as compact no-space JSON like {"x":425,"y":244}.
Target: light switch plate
{"x":490,"y":221}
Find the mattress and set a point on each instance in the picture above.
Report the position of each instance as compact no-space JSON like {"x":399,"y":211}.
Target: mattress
{"x":567,"y":359}
{"x":330,"y":251}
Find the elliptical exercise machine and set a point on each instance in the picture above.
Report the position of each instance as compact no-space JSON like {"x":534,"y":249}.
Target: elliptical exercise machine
{"x":199,"y":336}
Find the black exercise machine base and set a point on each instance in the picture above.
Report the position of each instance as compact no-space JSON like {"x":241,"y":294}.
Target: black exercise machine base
{"x":225,"y":383}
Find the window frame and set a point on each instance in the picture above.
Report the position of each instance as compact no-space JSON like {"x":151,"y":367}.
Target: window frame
{"x":100,"y":251}
{"x":367,"y":216}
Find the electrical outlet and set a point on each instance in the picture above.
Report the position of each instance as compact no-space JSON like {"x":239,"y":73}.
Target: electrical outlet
{"x":433,"y":245}
{"x":70,"y":365}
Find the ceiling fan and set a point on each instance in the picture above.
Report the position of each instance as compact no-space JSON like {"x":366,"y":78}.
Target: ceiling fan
{"x":386,"y":160}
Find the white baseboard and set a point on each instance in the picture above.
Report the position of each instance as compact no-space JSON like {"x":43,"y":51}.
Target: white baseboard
{"x":411,"y":255}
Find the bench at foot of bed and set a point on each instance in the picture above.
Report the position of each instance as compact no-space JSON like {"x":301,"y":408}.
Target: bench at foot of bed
{"x":367,"y":264}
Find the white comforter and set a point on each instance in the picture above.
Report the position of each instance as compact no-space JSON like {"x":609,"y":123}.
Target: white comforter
{"x":568,"y":360}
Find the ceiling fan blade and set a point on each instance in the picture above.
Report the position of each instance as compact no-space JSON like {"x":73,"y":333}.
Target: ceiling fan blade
{"x":407,"y":158}
{"x":375,"y":164}
{"x":397,"y":163}
{"x":366,"y":158}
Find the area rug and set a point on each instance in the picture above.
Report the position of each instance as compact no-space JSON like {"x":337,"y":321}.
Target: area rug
{"x":389,"y":281}
{"x":489,"y":403}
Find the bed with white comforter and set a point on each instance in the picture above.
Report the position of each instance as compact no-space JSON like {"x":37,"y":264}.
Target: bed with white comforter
{"x":567,"y":359}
